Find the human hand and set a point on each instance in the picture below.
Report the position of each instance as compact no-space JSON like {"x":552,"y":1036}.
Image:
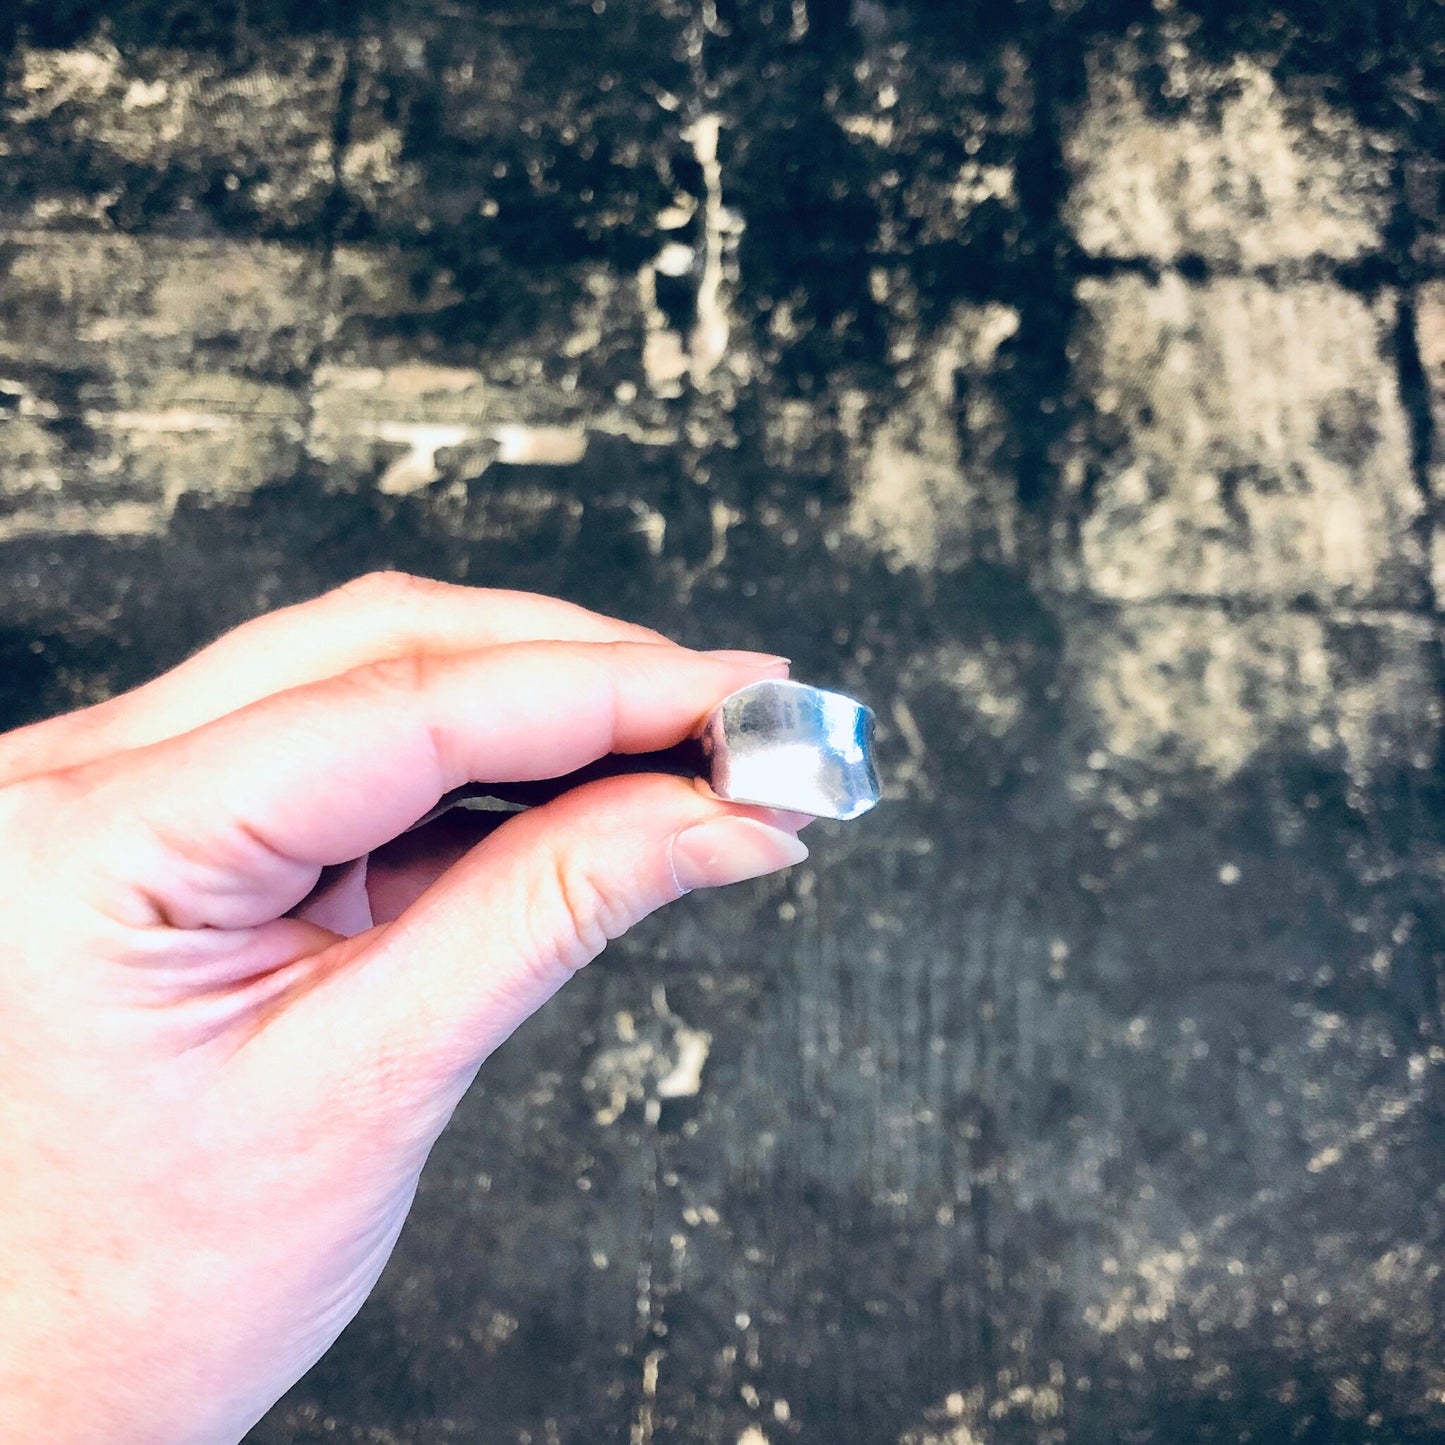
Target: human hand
{"x":220,"y":1082}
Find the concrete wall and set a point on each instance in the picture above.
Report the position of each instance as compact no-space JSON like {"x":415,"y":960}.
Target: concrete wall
{"x":1067,"y":380}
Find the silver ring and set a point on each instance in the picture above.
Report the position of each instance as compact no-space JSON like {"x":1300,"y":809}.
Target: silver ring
{"x":793,"y":747}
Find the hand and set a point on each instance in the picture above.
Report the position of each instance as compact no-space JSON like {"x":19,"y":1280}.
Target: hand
{"x":220,"y":1081}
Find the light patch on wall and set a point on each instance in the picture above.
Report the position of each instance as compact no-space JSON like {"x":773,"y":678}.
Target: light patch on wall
{"x":1218,"y":471}
{"x":540,"y":446}
{"x":1183,"y":687}
{"x":123,"y":519}
{"x":1243,"y":173}
{"x":685,"y":1077}
{"x":965,"y":1417}
{"x":50,"y":79}
{"x":652,"y":1059}
{"x":1145,"y":1292}
{"x":917,"y":499}
{"x":408,"y":380}
{"x":265,"y":120}
{"x":668,"y":357}
{"x":1430,"y":339}
{"x":417,"y":466}
{"x":428,"y":410}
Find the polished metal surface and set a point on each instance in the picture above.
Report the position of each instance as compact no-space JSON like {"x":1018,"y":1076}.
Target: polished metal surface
{"x":790,"y":746}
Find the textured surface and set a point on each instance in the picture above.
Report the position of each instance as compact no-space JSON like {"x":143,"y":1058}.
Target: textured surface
{"x":1067,"y":380}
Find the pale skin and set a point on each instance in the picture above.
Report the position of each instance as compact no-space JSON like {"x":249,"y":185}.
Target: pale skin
{"x":220,"y":1081}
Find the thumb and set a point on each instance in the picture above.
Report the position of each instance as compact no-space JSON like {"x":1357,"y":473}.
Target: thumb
{"x":430,"y":995}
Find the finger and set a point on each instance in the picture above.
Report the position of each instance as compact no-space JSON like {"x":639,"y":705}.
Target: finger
{"x":429,"y":997}
{"x":230,"y":825}
{"x":398,"y":873}
{"x":340,"y":902}
{"x":379,"y":616}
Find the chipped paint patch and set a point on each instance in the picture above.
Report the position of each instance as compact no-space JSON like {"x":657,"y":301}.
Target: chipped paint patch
{"x":418,"y":465}
{"x":656,"y":1058}
{"x":708,"y":343}
{"x":644,"y":1425}
{"x":668,"y":357}
{"x":50,"y":79}
{"x":685,"y":1078}
{"x":427,"y":410}
{"x":540,"y":446}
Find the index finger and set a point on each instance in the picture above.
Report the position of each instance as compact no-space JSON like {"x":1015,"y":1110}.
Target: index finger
{"x":230,"y":825}
{"x":377,"y":616}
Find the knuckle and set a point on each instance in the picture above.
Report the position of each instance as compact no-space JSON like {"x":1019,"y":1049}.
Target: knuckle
{"x":44,"y":806}
{"x":47,"y":746}
{"x":388,"y":588}
{"x":404,"y":690}
{"x":410,"y":673}
{"x":22,"y":752}
{"x":587,"y":912}
{"x":46,"y":794}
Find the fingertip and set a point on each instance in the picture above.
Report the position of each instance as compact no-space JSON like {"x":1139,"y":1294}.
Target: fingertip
{"x":510,"y":922}
{"x":731,"y":849}
{"x":789,"y":822}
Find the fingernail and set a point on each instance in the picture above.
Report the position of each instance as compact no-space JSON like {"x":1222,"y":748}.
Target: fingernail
{"x":750,"y":659}
{"x":729,"y":850}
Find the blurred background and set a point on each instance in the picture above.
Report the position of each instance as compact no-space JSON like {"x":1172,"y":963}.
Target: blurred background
{"x":1065,"y":379}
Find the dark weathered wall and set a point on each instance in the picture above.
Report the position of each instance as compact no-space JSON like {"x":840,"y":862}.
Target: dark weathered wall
{"x":1068,"y":380}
